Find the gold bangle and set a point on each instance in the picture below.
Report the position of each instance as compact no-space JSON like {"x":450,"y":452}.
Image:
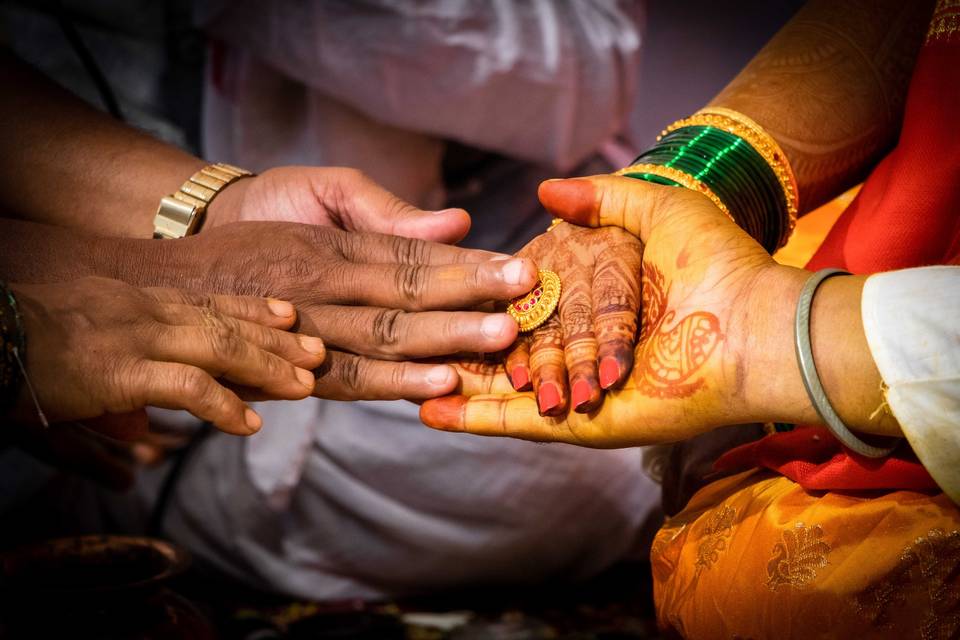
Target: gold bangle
{"x":681,"y":178}
{"x":554,"y":223}
{"x":181,"y":213}
{"x":762,"y":142}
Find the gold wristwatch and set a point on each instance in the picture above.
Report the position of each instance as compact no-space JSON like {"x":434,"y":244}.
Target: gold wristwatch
{"x":181,"y":213}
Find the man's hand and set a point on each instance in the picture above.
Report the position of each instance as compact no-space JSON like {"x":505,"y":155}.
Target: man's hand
{"x":372,"y":298}
{"x":334,"y":197}
{"x":99,"y":348}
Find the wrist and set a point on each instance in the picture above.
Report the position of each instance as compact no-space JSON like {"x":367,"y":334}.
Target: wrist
{"x":144,"y":263}
{"x":774,"y":386}
{"x":774,"y":390}
{"x":227,"y":205}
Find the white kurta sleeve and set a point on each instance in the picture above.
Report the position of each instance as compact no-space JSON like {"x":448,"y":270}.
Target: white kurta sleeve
{"x":912,"y":323}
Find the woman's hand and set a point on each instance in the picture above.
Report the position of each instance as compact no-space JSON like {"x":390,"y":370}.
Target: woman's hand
{"x":97,"y":348}
{"x":716,"y":339}
{"x":590,"y":339}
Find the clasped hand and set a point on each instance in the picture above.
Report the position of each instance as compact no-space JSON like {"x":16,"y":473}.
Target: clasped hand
{"x":710,"y":322}
{"x":367,"y":272}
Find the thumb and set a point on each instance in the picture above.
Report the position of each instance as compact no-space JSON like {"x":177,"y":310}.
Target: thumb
{"x":447,"y":225}
{"x":610,"y":201}
{"x":366,"y":206}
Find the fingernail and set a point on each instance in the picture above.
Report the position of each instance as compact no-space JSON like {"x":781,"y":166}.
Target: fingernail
{"x":520,"y":377}
{"x":609,"y":372}
{"x":580,"y":394}
{"x":493,"y":326}
{"x":306,"y":378}
{"x":444,"y":413}
{"x":280,"y":308}
{"x":439,"y":376}
{"x":252,"y":419}
{"x":512,"y":271}
{"x":449,"y":210}
{"x":312,"y":345}
{"x":548,"y":397}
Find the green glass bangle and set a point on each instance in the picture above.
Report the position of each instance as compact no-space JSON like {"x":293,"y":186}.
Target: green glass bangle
{"x":716,"y":152}
{"x":732,"y":169}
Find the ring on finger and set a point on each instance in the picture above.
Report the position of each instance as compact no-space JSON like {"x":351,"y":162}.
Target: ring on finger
{"x":533,"y":309}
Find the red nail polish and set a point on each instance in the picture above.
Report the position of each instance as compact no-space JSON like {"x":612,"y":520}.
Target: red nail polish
{"x":520,"y":377}
{"x":609,"y":372}
{"x":580,"y":394}
{"x":444,"y":413}
{"x":548,"y":397}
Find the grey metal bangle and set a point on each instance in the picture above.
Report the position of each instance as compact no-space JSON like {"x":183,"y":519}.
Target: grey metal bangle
{"x":811,"y":379}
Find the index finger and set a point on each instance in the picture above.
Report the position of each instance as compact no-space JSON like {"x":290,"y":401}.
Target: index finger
{"x":376,"y":248}
{"x":424,"y":287}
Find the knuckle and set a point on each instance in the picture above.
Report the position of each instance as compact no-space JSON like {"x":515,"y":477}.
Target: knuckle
{"x":452,"y":329}
{"x":225,"y":344}
{"x":342,"y":243}
{"x":576,"y":313}
{"x":274,"y":341}
{"x":199,"y":299}
{"x":409,"y":281}
{"x":351,"y":175}
{"x":386,"y":327}
{"x":193,"y":383}
{"x":350,"y":374}
{"x":477,"y":278}
{"x":409,"y":251}
{"x":397,"y":208}
{"x":398,"y":376}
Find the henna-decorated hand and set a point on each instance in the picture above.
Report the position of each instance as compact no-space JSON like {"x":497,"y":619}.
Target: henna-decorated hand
{"x":693,"y":369}
{"x":590,"y":339}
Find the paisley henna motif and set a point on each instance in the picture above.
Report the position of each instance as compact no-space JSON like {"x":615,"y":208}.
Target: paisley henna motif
{"x":672,"y":355}
{"x":653,"y":299}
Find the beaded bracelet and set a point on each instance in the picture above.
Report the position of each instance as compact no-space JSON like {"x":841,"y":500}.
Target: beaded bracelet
{"x":13,"y":344}
{"x":729,"y":158}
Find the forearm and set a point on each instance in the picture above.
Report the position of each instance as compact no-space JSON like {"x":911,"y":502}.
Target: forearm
{"x":37,"y":253}
{"x":830,"y":87}
{"x":842,"y":356}
{"x":65,"y":163}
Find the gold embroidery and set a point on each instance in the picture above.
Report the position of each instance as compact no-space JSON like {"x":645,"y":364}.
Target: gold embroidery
{"x":937,"y":555}
{"x":931,"y":563}
{"x":797,"y":557}
{"x":715,"y":540}
{"x":945,"y":22}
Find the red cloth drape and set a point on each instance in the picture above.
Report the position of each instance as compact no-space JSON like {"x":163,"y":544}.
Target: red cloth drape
{"x":906,"y":215}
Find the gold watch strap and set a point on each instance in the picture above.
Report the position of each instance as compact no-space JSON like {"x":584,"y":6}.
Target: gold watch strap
{"x":180,"y":213}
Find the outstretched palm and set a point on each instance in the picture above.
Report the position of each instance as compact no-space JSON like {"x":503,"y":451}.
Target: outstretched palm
{"x":691,"y":367}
